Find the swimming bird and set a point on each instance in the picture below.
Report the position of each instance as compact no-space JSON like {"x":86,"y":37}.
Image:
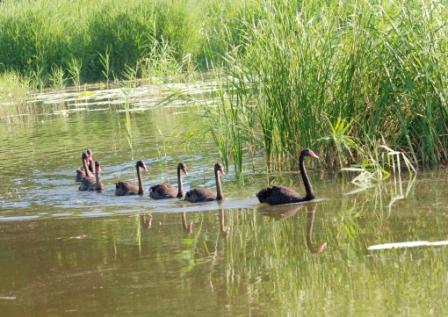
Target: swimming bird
{"x":204,"y":194}
{"x":166,"y":190}
{"x":83,"y":171}
{"x":124,"y":188}
{"x":92,"y":183}
{"x":277,"y":195}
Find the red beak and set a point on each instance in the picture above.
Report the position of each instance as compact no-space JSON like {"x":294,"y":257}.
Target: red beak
{"x":312,"y":154}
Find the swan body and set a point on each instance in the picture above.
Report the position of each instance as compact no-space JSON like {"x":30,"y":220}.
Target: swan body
{"x":277,"y":195}
{"x":87,"y":184}
{"x":166,"y":190}
{"x":163,"y":191}
{"x":204,"y":194}
{"x":84,"y":170}
{"x":80,"y":174}
{"x":199,"y":195}
{"x":125,"y":188}
{"x":92,"y":183}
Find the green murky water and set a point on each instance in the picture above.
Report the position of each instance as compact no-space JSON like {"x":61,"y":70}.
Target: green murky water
{"x":70,"y":253}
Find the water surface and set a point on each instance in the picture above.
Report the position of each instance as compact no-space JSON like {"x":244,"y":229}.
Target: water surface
{"x":71,"y":253}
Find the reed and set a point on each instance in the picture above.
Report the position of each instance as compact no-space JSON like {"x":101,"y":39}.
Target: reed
{"x":90,"y":40}
{"x":342,"y":79}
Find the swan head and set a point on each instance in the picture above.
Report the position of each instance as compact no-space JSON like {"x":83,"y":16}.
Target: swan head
{"x":142,"y":165}
{"x":182,"y":167}
{"x":219,"y":168}
{"x":310,"y":153}
{"x":97,"y":167}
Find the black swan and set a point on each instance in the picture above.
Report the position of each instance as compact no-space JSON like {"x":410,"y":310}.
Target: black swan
{"x":204,"y":194}
{"x":277,"y":195}
{"x":129,"y":188}
{"x":166,"y":190}
{"x":83,"y":171}
{"x":92,"y":183}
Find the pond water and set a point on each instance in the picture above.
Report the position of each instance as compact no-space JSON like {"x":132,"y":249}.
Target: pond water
{"x":71,"y":253}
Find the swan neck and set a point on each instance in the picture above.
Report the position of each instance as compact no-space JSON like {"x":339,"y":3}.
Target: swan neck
{"x":86,"y":168}
{"x":180,"y":185}
{"x":219,"y":194}
{"x":140,"y":183}
{"x":306,"y":181}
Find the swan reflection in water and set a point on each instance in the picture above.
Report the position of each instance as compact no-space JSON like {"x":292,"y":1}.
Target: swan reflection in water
{"x":287,"y":211}
{"x":147,"y":218}
{"x":278,"y":213}
{"x":225,"y":230}
{"x":188,"y":227}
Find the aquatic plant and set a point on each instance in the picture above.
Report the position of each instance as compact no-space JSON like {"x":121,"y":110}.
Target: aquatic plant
{"x":338,"y":78}
{"x":105,"y":63}
{"x":342,"y":78}
{"x":57,"y":77}
{"x":74,"y":68}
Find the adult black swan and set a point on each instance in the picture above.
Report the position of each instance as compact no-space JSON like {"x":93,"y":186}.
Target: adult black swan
{"x":277,"y":195}
{"x":125,"y":188}
{"x":166,"y":190}
{"x":198,"y":195}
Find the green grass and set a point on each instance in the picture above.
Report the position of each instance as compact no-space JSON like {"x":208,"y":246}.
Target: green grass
{"x":54,"y":42}
{"x":343,"y":79}
{"x":71,"y":42}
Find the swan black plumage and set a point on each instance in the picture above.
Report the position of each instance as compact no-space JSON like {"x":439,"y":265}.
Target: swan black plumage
{"x":204,"y":194}
{"x":277,"y":195}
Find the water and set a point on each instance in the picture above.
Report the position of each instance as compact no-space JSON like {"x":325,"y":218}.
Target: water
{"x":71,"y":253}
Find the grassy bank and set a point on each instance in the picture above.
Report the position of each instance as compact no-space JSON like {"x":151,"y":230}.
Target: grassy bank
{"x":57,"y":43}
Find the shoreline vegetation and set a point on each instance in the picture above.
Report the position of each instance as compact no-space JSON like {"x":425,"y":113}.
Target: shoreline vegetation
{"x":363,"y":83}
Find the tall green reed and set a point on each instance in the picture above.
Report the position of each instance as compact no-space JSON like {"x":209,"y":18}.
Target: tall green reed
{"x":44,"y":35}
{"x":342,"y":78}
